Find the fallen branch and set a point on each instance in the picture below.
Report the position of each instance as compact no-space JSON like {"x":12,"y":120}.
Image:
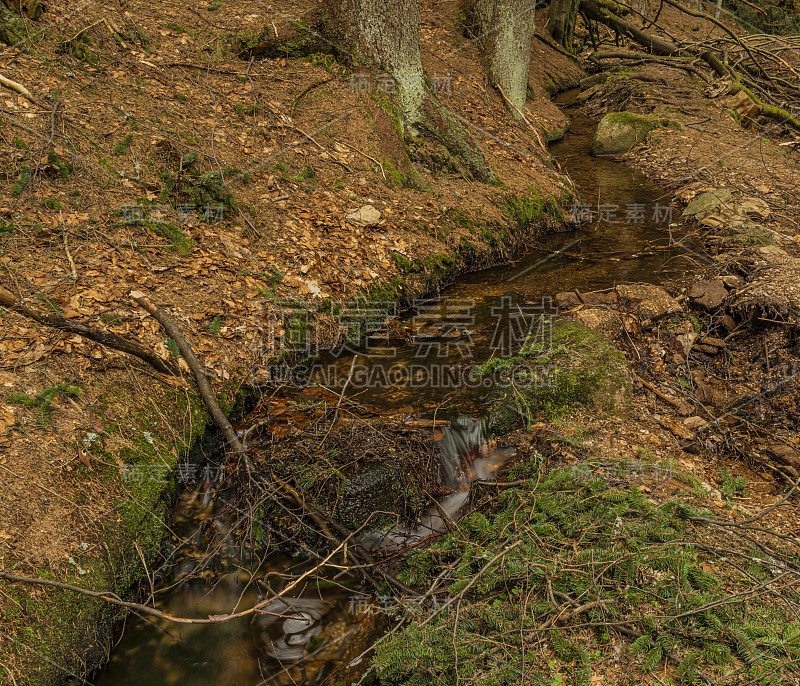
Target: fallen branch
{"x":652,"y":388}
{"x":199,"y":374}
{"x":14,"y":86}
{"x":716,"y":22}
{"x":15,"y":304}
{"x":114,"y":599}
{"x":524,"y":118}
{"x":666,"y":60}
{"x":599,"y":11}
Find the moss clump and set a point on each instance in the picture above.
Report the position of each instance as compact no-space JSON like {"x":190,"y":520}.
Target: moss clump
{"x":530,"y":208}
{"x":60,"y":630}
{"x":121,"y":148}
{"x":565,"y":365}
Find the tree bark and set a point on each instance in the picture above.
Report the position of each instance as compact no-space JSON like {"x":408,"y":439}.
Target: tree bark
{"x":506,"y":28}
{"x":561,"y":19}
{"x":32,"y":8}
{"x":384,"y":34}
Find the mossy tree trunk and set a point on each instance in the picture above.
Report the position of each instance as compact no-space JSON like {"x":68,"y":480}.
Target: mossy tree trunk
{"x":561,"y":19}
{"x":384,"y":34}
{"x":506,"y":29}
{"x":12,"y":23}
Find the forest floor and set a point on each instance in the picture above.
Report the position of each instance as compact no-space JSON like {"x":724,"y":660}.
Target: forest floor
{"x":156,"y":155}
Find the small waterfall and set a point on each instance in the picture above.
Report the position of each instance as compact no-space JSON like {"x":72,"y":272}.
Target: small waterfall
{"x":466,"y":453}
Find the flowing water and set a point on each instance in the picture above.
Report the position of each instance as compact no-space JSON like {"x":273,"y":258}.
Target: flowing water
{"x":318,"y":630}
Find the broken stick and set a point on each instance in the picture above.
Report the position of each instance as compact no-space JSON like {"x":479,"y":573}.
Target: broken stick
{"x":199,"y":374}
{"x":16,"y":304}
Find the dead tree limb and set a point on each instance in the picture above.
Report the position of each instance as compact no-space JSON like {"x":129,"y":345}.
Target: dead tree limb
{"x":14,"y":86}
{"x":114,"y":599}
{"x":599,"y":11}
{"x":683,"y":63}
{"x":199,"y":374}
{"x":716,"y":22}
{"x":10,"y":301}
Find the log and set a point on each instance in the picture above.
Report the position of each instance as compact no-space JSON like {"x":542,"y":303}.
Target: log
{"x":15,"y":304}
{"x":599,"y":11}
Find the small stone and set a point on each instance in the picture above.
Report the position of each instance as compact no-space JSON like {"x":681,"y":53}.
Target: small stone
{"x":651,"y":302}
{"x":710,"y":340}
{"x":707,"y":203}
{"x":694,"y":423}
{"x":707,"y":349}
{"x":566,"y":300}
{"x":754,"y":207}
{"x":366,"y":215}
{"x":708,"y":294}
{"x":600,"y":319}
{"x":731,"y":281}
{"x":727,"y":322}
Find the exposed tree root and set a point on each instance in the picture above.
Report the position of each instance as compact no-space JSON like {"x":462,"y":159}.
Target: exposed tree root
{"x":111,"y":340}
{"x":199,"y":374}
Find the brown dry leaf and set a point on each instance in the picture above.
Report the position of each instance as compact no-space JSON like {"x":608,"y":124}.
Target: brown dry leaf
{"x":83,"y":456}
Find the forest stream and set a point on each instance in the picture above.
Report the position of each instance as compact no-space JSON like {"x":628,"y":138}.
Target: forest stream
{"x":624,"y":235}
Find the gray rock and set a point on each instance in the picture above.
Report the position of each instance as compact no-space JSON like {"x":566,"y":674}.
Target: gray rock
{"x":365,"y":215}
{"x":707,"y":203}
{"x":742,"y":232}
{"x":618,"y":132}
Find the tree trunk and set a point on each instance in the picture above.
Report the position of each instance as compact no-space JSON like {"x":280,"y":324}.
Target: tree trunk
{"x":32,"y":8}
{"x":506,"y":28}
{"x":561,"y":19}
{"x":384,"y":34}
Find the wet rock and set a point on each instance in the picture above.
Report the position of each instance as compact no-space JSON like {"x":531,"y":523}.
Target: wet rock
{"x":741,"y":232}
{"x":648,"y":301}
{"x":709,"y":202}
{"x":600,"y":319}
{"x":708,"y":294}
{"x":374,"y":487}
{"x":366,"y":215}
{"x":567,"y":300}
{"x":618,"y":132}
